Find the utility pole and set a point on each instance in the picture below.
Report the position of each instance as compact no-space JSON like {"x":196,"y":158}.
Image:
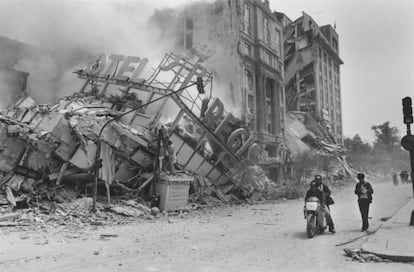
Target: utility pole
{"x":408,"y":141}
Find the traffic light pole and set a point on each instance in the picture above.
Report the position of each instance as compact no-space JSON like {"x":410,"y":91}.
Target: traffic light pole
{"x":412,"y":182}
{"x":408,"y":141}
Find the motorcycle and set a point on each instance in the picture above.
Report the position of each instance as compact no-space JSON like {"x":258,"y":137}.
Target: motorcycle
{"x":315,"y":217}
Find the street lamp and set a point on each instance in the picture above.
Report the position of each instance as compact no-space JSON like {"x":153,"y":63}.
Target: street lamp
{"x":98,"y":161}
{"x":408,"y":140}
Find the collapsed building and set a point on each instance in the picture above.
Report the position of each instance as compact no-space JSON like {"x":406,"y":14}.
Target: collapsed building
{"x":114,"y":133}
{"x":312,"y":74}
{"x":243,"y":44}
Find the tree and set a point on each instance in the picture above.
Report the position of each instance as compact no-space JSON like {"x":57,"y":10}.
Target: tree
{"x":386,"y":137}
{"x":356,"y":145}
{"x":387,"y":155}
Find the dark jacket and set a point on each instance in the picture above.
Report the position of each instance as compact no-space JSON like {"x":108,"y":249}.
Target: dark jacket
{"x":327,"y":194}
{"x":315,"y":192}
{"x":368,"y":186}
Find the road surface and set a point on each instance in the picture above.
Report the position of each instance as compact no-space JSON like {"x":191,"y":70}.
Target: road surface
{"x":262,"y":237}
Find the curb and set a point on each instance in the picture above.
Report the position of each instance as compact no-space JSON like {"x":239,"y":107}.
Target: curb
{"x":393,"y":233}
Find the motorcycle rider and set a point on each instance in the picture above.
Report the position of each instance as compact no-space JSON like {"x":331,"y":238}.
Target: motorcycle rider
{"x":323,"y":193}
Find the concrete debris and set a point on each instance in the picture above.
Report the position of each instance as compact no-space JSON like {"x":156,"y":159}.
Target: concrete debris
{"x":305,"y":133}
{"x":102,"y":142}
{"x":358,"y":255}
{"x":127,"y":211}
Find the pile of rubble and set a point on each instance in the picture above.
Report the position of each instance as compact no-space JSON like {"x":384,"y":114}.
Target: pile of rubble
{"x":49,"y":152}
{"x":305,"y":133}
{"x":95,"y":144}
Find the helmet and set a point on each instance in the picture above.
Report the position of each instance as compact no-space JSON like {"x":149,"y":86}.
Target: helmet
{"x":318,"y":179}
{"x":312,"y":184}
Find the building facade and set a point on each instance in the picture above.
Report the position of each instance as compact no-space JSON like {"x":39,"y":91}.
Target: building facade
{"x":312,"y":72}
{"x":244,"y":44}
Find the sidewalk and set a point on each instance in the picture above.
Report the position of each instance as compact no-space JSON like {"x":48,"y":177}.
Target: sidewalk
{"x":395,"y":239}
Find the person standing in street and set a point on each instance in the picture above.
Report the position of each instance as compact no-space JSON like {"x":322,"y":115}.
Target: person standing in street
{"x":364,"y":192}
{"x":395,"y":179}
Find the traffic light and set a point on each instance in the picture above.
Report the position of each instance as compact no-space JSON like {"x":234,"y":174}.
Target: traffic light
{"x":200,"y":85}
{"x":407,"y":110}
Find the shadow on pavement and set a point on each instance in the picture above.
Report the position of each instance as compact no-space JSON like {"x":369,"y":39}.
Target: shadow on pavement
{"x":301,"y":235}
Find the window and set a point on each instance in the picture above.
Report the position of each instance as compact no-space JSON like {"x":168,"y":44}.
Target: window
{"x":250,"y":103}
{"x":277,"y":41}
{"x":269,"y":109}
{"x":311,"y":95}
{"x":266,"y":31}
{"x":249,"y":79}
{"x":269,"y":59}
{"x":246,"y":19}
{"x":335,"y":44}
{"x":321,"y":99}
{"x":269,"y":127}
{"x":247,"y":49}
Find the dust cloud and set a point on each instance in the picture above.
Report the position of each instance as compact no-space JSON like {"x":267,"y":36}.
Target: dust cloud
{"x":66,"y":34}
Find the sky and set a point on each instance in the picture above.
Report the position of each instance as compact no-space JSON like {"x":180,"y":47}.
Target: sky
{"x":376,"y":43}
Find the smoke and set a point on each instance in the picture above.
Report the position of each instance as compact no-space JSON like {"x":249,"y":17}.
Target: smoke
{"x":67,"y":33}
{"x":12,"y":85}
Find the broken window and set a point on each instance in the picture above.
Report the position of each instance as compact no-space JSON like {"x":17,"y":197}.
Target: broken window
{"x":250,"y":103}
{"x":246,"y":19}
{"x":335,"y":44}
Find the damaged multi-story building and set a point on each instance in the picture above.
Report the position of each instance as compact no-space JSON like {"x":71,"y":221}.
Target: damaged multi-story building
{"x":312,"y":71}
{"x":243,"y":45}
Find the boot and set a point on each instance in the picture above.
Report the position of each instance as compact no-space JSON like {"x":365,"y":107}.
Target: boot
{"x":331,"y":228}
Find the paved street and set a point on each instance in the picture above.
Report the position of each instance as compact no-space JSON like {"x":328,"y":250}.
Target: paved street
{"x":264,"y":237}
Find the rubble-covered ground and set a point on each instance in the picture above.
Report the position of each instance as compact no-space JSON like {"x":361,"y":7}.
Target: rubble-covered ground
{"x":258,"y":237}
